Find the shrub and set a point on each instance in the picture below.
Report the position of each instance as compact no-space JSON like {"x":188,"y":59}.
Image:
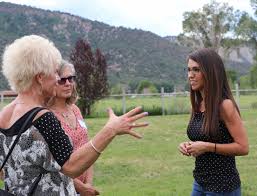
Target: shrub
{"x":254,"y":105}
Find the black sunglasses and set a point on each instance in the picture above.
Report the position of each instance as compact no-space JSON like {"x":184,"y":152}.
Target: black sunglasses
{"x":62,"y":81}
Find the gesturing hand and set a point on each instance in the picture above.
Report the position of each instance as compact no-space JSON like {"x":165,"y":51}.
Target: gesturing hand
{"x":126,"y":123}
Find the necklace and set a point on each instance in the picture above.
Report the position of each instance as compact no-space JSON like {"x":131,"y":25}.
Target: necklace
{"x":19,"y":103}
{"x":66,"y":114}
{"x":69,"y":118}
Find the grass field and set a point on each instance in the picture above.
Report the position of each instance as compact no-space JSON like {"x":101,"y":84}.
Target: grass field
{"x":153,"y":166}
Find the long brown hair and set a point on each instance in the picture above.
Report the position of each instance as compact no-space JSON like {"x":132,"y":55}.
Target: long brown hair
{"x":216,"y":88}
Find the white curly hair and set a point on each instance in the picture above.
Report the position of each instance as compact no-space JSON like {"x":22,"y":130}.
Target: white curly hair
{"x":26,"y":57}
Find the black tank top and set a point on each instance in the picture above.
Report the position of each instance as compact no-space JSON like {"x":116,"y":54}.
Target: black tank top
{"x":214,"y":172}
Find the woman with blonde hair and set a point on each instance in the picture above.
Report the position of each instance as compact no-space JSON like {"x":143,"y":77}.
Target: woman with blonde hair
{"x":30,"y":65}
{"x":72,"y":122}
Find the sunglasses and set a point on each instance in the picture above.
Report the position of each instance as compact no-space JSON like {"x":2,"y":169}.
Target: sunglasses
{"x":62,"y":81}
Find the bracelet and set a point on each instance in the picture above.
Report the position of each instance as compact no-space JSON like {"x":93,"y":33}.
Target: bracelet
{"x":98,"y":151}
{"x":215,"y":148}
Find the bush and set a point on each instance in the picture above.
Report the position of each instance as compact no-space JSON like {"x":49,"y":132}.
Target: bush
{"x":146,"y":85}
{"x":254,"y":105}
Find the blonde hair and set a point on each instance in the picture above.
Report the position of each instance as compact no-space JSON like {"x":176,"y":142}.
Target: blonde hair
{"x":74,"y":95}
{"x":26,"y":57}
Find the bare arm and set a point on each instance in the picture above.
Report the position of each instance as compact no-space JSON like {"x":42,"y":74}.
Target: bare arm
{"x":89,"y":175}
{"x":85,"y":156}
{"x":235,"y":126}
{"x":236,"y":129}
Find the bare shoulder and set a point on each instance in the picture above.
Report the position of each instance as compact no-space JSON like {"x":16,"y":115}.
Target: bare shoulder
{"x":6,"y":114}
{"x":227,"y":109}
{"x":41,"y":112}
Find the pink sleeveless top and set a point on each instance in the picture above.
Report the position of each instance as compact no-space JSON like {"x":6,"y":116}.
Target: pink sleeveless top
{"x":78,"y":136}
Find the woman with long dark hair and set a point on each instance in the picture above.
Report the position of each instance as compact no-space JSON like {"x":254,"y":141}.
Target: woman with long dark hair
{"x":215,"y":130}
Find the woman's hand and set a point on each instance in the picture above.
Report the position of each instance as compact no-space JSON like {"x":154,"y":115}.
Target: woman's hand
{"x":124,"y":124}
{"x":197,"y":148}
{"x":89,"y":190}
{"x":183,"y":148}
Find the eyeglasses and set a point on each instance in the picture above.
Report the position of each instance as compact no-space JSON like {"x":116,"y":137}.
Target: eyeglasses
{"x":193,"y":70}
{"x":62,"y":81}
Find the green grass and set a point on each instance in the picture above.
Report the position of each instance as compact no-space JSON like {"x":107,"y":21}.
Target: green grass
{"x":153,"y":166}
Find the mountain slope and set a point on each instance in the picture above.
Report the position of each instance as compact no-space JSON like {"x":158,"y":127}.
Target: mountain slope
{"x":132,"y":54}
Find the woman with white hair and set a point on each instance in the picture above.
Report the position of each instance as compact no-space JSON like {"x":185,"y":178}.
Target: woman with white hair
{"x":30,"y":65}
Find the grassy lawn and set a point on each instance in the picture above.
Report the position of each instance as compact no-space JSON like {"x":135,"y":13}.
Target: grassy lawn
{"x":153,"y":166}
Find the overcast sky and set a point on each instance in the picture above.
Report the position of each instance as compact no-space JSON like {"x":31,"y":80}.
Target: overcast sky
{"x":163,"y":17}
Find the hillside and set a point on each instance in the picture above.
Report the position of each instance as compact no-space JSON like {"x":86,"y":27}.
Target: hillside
{"x":132,"y":54}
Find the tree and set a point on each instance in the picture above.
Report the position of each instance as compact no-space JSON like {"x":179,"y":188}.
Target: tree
{"x":4,"y":84}
{"x":208,"y":26}
{"x":91,"y":72}
{"x":254,"y":6}
{"x":253,"y":76}
{"x":168,"y":87}
{"x":247,"y":29}
{"x":245,"y":82}
{"x":232,"y":76}
{"x":146,"y":86}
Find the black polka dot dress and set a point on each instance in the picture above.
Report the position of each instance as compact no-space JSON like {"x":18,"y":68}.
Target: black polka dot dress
{"x":214,"y":172}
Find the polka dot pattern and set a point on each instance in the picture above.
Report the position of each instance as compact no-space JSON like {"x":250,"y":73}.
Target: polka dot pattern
{"x":214,"y":172}
{"x":58,"y":142}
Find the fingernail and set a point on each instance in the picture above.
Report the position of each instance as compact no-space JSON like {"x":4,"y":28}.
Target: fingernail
{"x":146,"y":113}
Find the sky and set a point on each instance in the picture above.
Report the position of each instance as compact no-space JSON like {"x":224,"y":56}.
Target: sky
{"x":162,"y":17}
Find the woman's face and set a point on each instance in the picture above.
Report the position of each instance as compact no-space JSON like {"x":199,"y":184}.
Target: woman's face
{"x":195,"y":76}
{"x":65,"y":84}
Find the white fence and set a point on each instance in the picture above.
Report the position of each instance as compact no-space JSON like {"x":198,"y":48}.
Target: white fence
{"x":7,"y":95}
{"x":245,"y":98}
{"x":239,"y":95}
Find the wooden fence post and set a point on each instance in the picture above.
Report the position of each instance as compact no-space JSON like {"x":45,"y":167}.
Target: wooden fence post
{"x":237,"y":95}
{"x":2,"y":97}
{"x":123,"y":100}
{"x":162,"y":101}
